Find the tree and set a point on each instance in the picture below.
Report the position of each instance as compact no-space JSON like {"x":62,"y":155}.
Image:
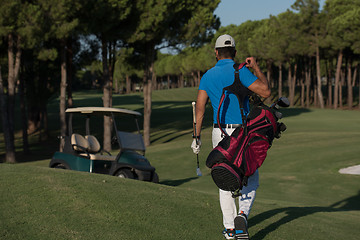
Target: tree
{"x":281,"y":25}
{"x":348,"y":23}
{"x":11,"y":28}
{"x":311,"y":28}
{"x":126,"y":65}
{"x":108,"y":21}
{"x":62,"y":21}
{"x":343,"y":32}
{"x":260,"y":45}
{"x":173,"y":22}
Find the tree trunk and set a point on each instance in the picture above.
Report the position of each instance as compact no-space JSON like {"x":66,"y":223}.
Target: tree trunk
{"x":154,"y":82}
{"x":62,"y":97}
{"x":69,"y":72}
{"x":269,"y":78}
{"x":112,"y":59}
{"x":147,"y":80}
{"x":10,"y":153}
{"x":291,"y":83}
{"x":329,"y":84}
{"x":13,"y":73}
{"x":342,"y":83}
{"x":193,"y":80}
{"x":147,"y":106}
{"x":318,"y":76}
{"x":128,"y":84}
{"x":268,"y":73}
{"x":355,"y":75}
{"x":182,"y":80}
{"x":23,"y":115}
{"x":302,"y":84}
{"x":308,"y":83}
{"x":107,"y":88}
{"x":337,"y":79}
{"x":198,"y":78}
{"x":280,"y":81}
{"x":349,"y":85}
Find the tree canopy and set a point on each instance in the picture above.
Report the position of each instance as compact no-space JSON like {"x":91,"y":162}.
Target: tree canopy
{"x":49,"y":48}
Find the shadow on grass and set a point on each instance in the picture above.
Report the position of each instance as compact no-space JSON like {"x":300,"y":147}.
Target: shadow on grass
{"x":293,"y":213}
{"x":177,"y":182}
{"x":173,"y":116}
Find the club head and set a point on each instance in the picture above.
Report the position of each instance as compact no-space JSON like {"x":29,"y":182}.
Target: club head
{"x":282,"y":127}
{"x":278,"y":115}
{"x":283,"y":102}
{"x":274,"y":106}
{"x":198,"y":172}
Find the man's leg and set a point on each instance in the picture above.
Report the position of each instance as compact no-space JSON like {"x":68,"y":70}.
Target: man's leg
{"x":246,"y":201}
{"x":248,"y":194}
{"x":227,"y":202}
{"x":228,"y":208}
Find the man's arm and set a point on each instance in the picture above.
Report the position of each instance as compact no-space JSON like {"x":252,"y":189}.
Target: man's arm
{"x":261,"y":85}
{"x":202,"y":99}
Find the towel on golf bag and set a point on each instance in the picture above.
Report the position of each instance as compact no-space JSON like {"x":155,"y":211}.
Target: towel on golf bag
{"x":237,"y":156}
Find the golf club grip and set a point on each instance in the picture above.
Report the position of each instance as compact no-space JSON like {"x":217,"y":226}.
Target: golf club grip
{"x":194,"y":111}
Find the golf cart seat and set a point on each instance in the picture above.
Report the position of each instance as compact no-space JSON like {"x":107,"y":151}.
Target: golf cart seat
{"x":86,"y":147}
{"x":79,"y":143}
{"x":94,"y":145}
{"x":96,"y":151}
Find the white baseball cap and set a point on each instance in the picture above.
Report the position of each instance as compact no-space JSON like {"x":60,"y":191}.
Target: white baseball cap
{"x":225,"y":41}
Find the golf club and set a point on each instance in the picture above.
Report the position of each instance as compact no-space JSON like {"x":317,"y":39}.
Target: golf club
{"x":281,"y":102}
{"x":198,"y":171}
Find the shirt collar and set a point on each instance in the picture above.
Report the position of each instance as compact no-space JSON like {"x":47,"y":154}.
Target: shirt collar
{"x":224,"y":61}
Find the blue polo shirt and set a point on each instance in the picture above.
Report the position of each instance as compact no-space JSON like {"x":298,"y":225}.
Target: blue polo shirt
{"x":213,"y":82}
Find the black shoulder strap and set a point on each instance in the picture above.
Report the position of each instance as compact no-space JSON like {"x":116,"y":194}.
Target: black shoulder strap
{"x":237,"y":88}
{"x":240,"y":91}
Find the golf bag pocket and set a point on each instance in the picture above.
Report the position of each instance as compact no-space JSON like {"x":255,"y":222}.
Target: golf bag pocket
{"x":225,"y":150}
{"x":226,"y":176}
{"x":254,"y":153}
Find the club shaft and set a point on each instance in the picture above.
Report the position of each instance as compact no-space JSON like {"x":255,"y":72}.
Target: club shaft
{"x":194,"y":120}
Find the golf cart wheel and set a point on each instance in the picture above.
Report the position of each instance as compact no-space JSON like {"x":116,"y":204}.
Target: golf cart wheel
{"x":155,"y":178}
{"x":125,"y":173}
{"x":61,"y":166}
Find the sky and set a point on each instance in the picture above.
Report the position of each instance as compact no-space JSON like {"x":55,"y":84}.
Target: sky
{"x":239,"y":11}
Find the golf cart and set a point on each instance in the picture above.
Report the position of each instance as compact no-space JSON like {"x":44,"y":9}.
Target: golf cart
{"x":82,"y":150}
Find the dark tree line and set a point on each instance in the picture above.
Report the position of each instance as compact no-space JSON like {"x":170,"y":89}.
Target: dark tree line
{"x":307,"y":52}
{"x":49,"y":48}
{"x":44,"y":43}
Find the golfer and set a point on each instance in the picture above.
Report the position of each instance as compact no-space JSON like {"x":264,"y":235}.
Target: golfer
{"x":211,"y":86}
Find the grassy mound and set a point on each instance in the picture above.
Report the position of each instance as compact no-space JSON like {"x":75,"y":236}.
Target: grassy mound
{"x":42,"y":203}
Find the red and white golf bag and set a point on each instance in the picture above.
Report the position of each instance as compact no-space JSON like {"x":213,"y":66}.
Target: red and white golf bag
{"x":238,"y":155}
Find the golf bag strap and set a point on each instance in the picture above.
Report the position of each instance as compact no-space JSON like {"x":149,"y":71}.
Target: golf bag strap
{"x":240,"y":92}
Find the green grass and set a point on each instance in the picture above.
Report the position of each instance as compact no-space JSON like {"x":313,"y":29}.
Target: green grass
{"x":301,"y":193}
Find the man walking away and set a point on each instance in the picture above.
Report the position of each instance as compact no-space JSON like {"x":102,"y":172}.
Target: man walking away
{"x":211,"y":86}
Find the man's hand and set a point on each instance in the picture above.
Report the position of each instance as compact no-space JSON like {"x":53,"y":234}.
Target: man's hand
{"x":196,"y":145}
{"x":251,"y":63}
{"x":261,"y":85}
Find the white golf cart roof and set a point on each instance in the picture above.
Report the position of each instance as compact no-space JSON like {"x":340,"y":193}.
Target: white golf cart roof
{"x":101,"y":110}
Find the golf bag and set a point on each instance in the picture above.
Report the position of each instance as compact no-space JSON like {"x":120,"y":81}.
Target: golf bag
{"x":239,"y":155}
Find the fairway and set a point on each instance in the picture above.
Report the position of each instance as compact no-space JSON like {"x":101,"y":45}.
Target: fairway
{"x":301,"y":195}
